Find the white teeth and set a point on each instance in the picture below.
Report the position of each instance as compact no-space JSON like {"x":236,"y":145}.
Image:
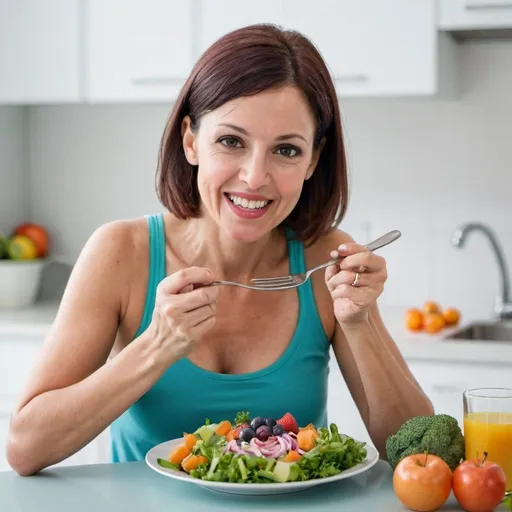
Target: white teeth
{"x":250,"y":205}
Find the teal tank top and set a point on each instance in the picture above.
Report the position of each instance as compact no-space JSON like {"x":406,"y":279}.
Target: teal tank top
{"x":186,"y":394}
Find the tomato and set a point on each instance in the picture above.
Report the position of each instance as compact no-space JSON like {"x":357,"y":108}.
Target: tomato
{"x":37,"y":234}
{"x":479,"y":485}
{"x":422,"y":482}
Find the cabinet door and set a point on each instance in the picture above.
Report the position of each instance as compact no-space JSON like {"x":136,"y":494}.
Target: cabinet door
{"x":445,"y":382}
{"x":475,"y":14}
{"x":39,"y":51}
{"x":341,"y":407}
{"x":372,"y":47}
{"x":137,"y":50}
{"x":223,"y":16}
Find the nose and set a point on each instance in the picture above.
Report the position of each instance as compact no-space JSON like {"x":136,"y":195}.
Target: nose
{"x":254,"y":172}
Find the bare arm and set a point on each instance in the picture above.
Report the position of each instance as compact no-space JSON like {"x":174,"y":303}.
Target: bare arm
{"x":384,"y":390}
{"x":72,"y":395}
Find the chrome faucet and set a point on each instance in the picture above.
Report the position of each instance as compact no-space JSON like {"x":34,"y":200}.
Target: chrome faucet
{"x":503,"y":302}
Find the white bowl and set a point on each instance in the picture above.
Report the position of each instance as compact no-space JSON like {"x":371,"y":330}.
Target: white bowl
{"x":19,"y":282}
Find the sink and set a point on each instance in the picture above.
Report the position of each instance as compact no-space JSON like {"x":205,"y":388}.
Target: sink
{"x":487,"y":331}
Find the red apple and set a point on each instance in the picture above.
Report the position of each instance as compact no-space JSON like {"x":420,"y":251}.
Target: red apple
{"x":479,"y":485}
{"x":38,"y":234}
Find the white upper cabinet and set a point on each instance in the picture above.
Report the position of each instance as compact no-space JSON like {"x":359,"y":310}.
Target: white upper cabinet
{"x":137,"y":50}
{"x":39,"y":51}
{"x":372,"y":47}
{"x":219,"y":17}
{"x":475,"y":14}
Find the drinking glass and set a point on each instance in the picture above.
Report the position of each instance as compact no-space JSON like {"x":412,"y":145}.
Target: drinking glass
{"x":488,"y":426}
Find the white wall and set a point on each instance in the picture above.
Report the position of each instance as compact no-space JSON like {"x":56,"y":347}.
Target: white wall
{"x":418,"y":166}
{"x":13,"y":185}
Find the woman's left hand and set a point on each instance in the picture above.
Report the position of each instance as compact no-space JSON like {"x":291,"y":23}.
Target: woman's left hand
{"x":356,"y":282}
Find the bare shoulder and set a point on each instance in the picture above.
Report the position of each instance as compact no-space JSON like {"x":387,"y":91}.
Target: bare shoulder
{"x":108,"y":259}
{"x":116,"y":242}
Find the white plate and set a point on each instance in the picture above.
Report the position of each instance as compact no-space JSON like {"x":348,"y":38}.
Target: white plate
{"x":162,"y":451}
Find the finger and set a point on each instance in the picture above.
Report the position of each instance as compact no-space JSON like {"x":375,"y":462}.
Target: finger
{"x":199,"y":315}
{"x":363,"y":262}
{"x":349,"y":277}
{"x":347,"y":291}
{"x":332,"y":270}
{"x":188,"y":288}
{"x":185,"y":302}
{"x":203,"y":327}
{"x":182,"y":278}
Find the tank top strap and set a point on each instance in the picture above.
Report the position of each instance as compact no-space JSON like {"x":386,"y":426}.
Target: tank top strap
{"x":157,"y":266}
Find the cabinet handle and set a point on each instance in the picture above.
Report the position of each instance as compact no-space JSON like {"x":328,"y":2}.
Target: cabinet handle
{"x":352,"y":78}
{"x":487,"y":4}
{"x":446,"y":388}
{"x":156,"y":80}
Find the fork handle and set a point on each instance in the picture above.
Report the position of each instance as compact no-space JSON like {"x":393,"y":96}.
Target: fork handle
{"x":376,"y":244}
{"x":384,"y":240}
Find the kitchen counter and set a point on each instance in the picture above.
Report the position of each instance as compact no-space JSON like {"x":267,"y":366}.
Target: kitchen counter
{"x":37,"y":320}
{"x":134,"y":487}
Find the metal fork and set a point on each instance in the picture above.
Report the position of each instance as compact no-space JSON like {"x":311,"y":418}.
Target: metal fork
{"x":295,"y":280}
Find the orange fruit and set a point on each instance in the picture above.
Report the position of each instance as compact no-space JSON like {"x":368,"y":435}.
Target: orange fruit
{"x":431,"y":307}
{"x":433,"y":322}
{"x":451,"y":316}
{"x":414,"y":319}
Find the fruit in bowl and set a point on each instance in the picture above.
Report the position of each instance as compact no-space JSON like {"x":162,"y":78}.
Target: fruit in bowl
{"x":22,"y":259}
{"x":37,"y":234}
{"x":431,"y":318}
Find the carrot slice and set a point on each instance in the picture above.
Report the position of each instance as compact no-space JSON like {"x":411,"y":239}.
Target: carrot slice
{"x":190,"y":440}
{"x":292,"y":456}
{"x":192,"y":462}
{"x":178,"y":454}
{"x":306,"y":439}
{"x":223,"y":428}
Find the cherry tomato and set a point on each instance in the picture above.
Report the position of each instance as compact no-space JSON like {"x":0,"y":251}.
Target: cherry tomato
{"x":422,"y":482}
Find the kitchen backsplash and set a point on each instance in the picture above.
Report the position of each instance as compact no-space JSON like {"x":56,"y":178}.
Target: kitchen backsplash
{"x":13,"y":168}
{"x":420,"y":166}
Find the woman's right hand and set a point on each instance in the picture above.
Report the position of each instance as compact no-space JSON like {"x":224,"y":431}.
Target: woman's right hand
{"x":183,"y":314}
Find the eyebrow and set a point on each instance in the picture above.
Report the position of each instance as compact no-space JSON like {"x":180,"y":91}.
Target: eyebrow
{"x":287,"y":136}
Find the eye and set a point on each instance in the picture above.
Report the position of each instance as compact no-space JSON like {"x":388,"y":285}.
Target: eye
{"x":230,"y":142}
{"x":289,"y":151}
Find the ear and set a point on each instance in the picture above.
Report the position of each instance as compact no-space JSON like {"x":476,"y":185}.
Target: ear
{"x":314,"y":159}
{"x":189,"y":141}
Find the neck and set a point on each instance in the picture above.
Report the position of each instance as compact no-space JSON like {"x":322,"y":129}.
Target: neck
{"x":229,"y":259}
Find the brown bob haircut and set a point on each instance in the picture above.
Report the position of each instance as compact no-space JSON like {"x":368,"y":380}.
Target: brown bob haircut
{"x":242,"y":63}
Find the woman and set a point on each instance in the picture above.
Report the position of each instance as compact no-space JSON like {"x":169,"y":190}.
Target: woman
{"x":253,"y":176}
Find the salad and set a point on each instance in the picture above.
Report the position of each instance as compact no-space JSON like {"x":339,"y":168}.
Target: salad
{"x":264,"y":450}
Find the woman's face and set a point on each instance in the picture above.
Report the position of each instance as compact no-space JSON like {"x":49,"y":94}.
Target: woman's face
{"x":253,"y":154}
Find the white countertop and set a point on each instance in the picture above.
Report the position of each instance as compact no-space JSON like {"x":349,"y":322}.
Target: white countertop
{"x":37,"y":320}
{"x":32,"y":321}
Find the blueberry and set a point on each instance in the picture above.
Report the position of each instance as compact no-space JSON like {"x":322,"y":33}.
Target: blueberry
{"x":278,"y":430}
{"x":256,"y":422}
{"x":270,"y":422}
{"x":246,"y":434}
{"x":263,"y":432}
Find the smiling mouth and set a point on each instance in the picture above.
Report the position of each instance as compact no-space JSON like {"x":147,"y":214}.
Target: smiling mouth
{"x":247,"y":204}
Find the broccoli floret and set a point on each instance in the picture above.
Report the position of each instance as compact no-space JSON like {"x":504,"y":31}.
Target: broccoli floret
{"x":439,"y":435}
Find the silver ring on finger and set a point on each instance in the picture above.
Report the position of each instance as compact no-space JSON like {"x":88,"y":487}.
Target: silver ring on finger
{"x":355,"y":282}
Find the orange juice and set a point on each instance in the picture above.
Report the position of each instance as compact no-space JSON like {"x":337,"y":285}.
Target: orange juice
{"x":490,"y":432}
